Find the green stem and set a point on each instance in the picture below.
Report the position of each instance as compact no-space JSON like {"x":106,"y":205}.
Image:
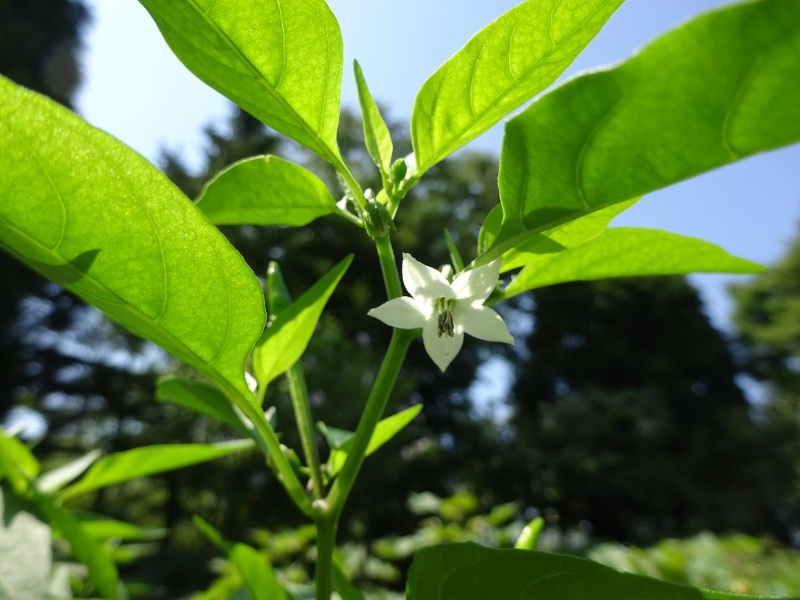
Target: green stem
{"x":298,"y":390}
{"x":351,"y":180}
{"x":389,"y":267}
{"x":376,"y":404}
{"x":286,"y":474}
{"x":326,"y":523}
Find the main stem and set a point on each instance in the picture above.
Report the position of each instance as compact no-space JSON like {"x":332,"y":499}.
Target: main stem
{"x":376,"y":404}
{"x":326,"y":523}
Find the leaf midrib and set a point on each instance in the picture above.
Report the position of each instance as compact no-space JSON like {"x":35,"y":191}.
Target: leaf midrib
{"x":259,"y":77}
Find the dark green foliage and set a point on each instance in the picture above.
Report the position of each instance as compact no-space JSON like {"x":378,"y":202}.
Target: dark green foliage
{"x":768,"y":318}
{"x":39,"y":44}
{"x":627,"y":401}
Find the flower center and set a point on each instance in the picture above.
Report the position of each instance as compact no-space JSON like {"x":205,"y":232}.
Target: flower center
{"x":444,"y":316}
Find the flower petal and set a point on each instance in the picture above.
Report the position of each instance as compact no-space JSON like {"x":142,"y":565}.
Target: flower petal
{"x":403,"y":313}
{"x":476,"y":284}
{"x":442,"y":349}
{"x":482,"y":322}
{"x":424,"y":282}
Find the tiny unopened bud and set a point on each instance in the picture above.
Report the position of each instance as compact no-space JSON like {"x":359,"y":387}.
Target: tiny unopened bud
{"x":377,"y":220}
{"x":399,"y":170}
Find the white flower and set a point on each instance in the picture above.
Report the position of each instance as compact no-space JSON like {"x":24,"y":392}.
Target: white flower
{"x":446,"y":311}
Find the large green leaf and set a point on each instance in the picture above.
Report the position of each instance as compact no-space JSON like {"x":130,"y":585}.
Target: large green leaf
{"x":95,"y":217}
{"x":626,"y":252}
{"x":280,"y":61}
{"x":285,"y":340}
{"x":257,"y":573}
{"x":472,"y":572}
{"x":265,"y":190}
{"x":724,"y":86}
{"x":149,"y":460}
{"x":501,"y":67}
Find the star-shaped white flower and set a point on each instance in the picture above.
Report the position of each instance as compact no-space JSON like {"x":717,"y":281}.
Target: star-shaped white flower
{"x":446,"y":311}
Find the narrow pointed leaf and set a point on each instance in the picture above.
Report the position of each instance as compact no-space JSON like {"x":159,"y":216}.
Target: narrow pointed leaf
{"x":503,"y":66}
{"x":471,"y":572}
{"x":102,"y":570}
{"x":680,"y":107}
{"x":455,"y":255}
{"x":376,"y":132}
{"x":17,"y":462}
{"x":265,"y":190}
{"x":280,"y":61}
{"x":343,"y":585}
{"x":198,"y":397}
{"x":95,"y":217}
{"x":149,"y":460}
{"x":104,"y":529}
{"x":257,"y":573}
{"x":627,"y":252}
{"x":57,"y":478}
{"x":386,"y":429}
{"x":285,"y":340}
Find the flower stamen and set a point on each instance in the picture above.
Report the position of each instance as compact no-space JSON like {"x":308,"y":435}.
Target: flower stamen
{"x":445,"y":317}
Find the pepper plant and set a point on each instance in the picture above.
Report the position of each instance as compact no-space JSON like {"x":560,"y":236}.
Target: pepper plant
{"x":92,"y":215}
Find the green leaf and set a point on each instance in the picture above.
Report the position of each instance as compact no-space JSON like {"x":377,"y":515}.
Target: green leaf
{"x":285,"y":340}
{"x":92,"y":215}
{"x":385,"y":430}
{"x":627,"y":252}
{"x":455,"y":255}
{"x":334,"y":436}
{"x":104,"y":529}
{"x":471,"y":572}
{"x":558,"y":239}
{"x":265,"y":190}
{"x":17,"y":463}
{"x":376,"y":132}
{"x":149,"y":460}
{"x":343,"y":585}
{"x":257,"y":573}
{"x":503,"y":66}
{"x":563,"y":237}
{"x":680,"y":107}
{"x":280,"y":61}
{"x":102,"y":571}
{"x":198,"y":397}
{"x":530,"y":535}
{"x":57,"y":478}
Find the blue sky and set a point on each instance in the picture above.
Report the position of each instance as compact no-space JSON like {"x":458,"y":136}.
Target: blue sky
{"x":135,"y":89}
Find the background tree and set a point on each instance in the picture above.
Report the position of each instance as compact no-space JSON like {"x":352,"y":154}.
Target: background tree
{"x":39,"y":48}
{"x":768,"y":319}
{"x":627,"y":408}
